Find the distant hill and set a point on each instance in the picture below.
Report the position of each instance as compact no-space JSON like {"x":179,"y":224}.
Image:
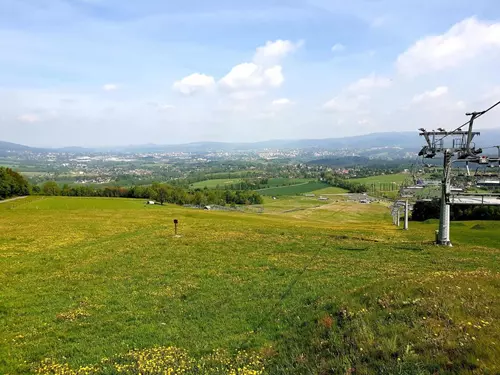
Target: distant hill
{"x":403,"y":140}
{"x":8,"y":146}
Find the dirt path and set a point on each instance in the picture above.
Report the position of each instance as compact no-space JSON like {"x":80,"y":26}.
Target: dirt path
{"x":12,"y":199}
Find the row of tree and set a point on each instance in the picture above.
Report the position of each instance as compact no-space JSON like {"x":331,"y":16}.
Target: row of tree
{"x":424,"y":210}
{"x":12,"y":184}
{"x":163,"y":193}
{"x":337,"y":181}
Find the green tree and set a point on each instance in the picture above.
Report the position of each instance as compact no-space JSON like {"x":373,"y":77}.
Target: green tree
{"x":12,"y":184}
{"x":161,"y":193}
{"x":51,"y":188}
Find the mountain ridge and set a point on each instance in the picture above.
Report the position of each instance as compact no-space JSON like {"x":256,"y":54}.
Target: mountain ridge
{"x":404,"y":140}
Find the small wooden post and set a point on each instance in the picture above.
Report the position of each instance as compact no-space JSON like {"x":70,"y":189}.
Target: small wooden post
{"x":175,"y":225}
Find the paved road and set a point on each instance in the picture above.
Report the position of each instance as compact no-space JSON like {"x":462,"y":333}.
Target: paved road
{"x":12,"y":199}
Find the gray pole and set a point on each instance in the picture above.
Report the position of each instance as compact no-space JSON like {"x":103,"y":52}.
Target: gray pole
{"x":444,"y":217}
{"x":398,"y":218}
{"x":498,"y":148}
{"x":406,"y":215}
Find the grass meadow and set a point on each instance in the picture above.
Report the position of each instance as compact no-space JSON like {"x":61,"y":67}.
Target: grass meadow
{"x":272,"y":182}
{"x":386,"y":178}
{"x":102,"y":286}
{"x":212,"y":184}
{"x":300,"y":188}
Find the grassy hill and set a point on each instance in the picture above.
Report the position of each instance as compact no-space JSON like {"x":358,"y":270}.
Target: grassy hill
{"x":300,"y":188}
{"x":212,"y":184}
{"x":272,"y":182}
{"x":102,"y":286}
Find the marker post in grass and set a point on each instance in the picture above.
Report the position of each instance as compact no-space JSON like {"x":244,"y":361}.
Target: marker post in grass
{"x":175,"y":226}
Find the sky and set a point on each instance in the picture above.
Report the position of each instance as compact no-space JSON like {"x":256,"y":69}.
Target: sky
{"x":118,"y":72}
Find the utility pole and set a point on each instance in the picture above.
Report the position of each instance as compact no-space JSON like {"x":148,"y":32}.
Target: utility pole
{"x":444,"y":213}
{"x":498,"y":149}
{"x":406,"y":215}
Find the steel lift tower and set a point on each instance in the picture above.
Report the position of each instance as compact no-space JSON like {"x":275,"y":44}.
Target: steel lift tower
{"x":463,"y":148}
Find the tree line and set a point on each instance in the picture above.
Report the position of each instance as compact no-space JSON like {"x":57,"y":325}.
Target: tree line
{"x":337,"y":181}
{"x":12,"y":184}
{"x":424,"y":210}
{"x":163,"y":193}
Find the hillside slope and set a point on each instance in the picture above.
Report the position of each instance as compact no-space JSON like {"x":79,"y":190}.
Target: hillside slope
{"x":303,"y":287}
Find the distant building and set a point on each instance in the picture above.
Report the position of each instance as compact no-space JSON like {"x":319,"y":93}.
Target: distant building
{"x":322,"y":198}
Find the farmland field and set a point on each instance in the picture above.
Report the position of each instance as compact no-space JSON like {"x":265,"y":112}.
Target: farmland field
{"x":102,"y":286}
{"x":329,"y":190}
{"x":387,"y":178}
{"x":301,"y":188}
{"x":272,"y":182}
{"x":212,"y":184}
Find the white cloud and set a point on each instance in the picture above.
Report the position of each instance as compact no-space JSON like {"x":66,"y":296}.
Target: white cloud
{"x":338,"y":47}
{"x":275,"y":76}
{"x":432,"y":94}
{"x":110,"y":87}
{"x":272,"y":52}
{"x":29,"y":117}
{"x":242,"y":75}
{"x":370,"y":82}
{"x":252,"y":77}
{"x":462,"y":42}
{"x":194,"y":83}
{"x":281,"y":102}
{"x":247,"y":80}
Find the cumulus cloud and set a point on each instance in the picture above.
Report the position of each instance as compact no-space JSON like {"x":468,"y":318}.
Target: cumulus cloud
{"x":110,"y":87}
{"x":252,"y":79}
{"x":194,"y":83}
{"x":246,"y":80}
{"x":338,"y":47}
{"x":264,"y":71}
{"x":251,"y":76}
{"x":462,"y":42}
{"x":432,"y":94}
{"x":272,"y":52}
{"x":29,"y":117}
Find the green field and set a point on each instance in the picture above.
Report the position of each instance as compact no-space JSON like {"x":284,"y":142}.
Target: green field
{"x":272,"y":182}
{"x":396,"y":178}
{"x":387,"y":178}
{"x":101,"y":286}
{"x":301,"y":188}
{"x":212,"y":184}
{"x":330,"y":190}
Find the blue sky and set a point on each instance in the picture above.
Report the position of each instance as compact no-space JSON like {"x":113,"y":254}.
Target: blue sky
{"x":114,"y":72}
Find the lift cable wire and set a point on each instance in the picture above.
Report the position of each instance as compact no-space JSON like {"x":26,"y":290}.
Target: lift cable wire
{"x":478,"y":114}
